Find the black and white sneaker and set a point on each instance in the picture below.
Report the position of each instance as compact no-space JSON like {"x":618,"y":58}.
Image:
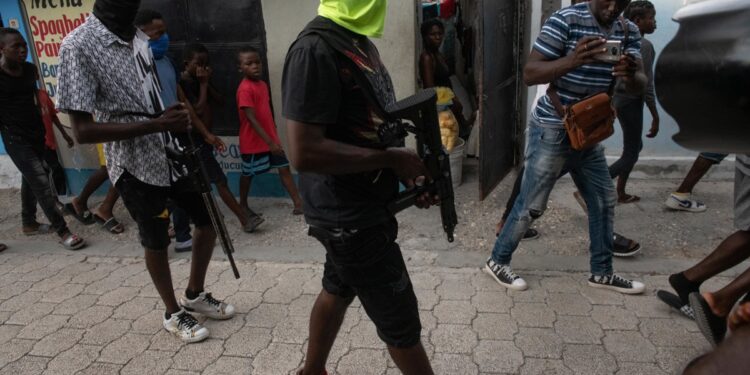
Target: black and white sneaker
{"x":504,"y":275}
{"x":186,"y":327}
{"x":617,"y":283}
{"x":206,"y":304}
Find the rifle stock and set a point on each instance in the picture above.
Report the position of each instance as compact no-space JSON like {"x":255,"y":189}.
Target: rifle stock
{"x":421,"y":110}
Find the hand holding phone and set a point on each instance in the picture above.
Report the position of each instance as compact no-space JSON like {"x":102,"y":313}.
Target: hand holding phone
{"x":612,"y":52}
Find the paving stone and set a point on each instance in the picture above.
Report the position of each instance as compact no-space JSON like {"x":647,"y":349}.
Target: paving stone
{"x":100,"y":272}
{"x":50,"y":283}
{"x":25,"y":365}
{"x":57,"y":342}
{"x":578,"y":330}
{"x":443,"y":363}
{"x":266,"y":315}
{"x":245,"y":301}
{"x":73,"y":360}
{"x":98,"y":368}
{"x":456,"y":287}
{"x":634,"y":368}
{"x":312,"y":286}
{"x":90,"y":317}
{"x":539,"y":343}
{"x":532,"y":314}
{"x":647,"y":306}
{"x":166,"y":342}
{"x":429,"y":322}
{"x":560,"y":284}
{"x":535,"y":293}
{"x":106,"y":332}
{"x":118,"y":296}
{"x":14,"y":289}
{"x":136,"y":308}
{"x":629,"y":346}
{"x":125,"y":348}
{"x":673,"y":360}
{"x":495,"y":301}
{"x":588,"y":359}
{"x":293,"y":330}
{"x":341,"y":346}
{"x":4,"y":316}
{"x":602,"y":297}
{"x":263,"y":279}
{"x":352,"y":318}
{"x":569,"y":304}
{"x":364,"y":335}
{"x":8,"y":332}
{"x":198,"y":357}
{"x":614,"y":317}
{"x":453,"y":338}
{"x":222,"y":329}
{"x":363,"y":361}
{"x":303,"y":305}
{"x":14,"y":349}
{"x":150,"y":323}
{"x":20,"y":301}
{"x":230,"y":366}
{"x":43,"y":327}
{"x":76,"y":304}
{"x":534,"y":366}
{"x":148,"y":362}
{"x":494,"y":326}
{"x":267,"y":361}
{"x":181,"y":372}
{"x":247,"y":342}
{"x":424,"y":280}
{"x":282,"y":293}
{"x":455,"y":312}
{"x":498,"y":356}
{"x":666,"y":332}
{"x":427,"y":299}
{"x":63,"y":292}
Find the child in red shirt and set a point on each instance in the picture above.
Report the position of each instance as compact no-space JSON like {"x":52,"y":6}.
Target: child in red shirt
{"x":49,"y":117}
{"x":259,"y":142}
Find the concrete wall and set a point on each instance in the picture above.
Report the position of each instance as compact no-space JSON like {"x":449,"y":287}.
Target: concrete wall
{"x":285,"y":19}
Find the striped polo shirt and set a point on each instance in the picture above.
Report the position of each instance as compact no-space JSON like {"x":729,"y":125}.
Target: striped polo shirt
{"x":559,"y":37}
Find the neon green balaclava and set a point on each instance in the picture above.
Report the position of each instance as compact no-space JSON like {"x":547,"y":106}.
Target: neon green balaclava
{"x":364,"y":17}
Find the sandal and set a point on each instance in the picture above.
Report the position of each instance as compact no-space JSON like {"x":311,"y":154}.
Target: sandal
{"x":40,"y":229}
{"x":297,"y":211}
{"x":627,"y":198}
{"x":3,"y":247}
{"x":112,"y":225}
{"x":72,"y":242}
{"x":623,"y":246}
{"x":253,"y":223}
{"x":86,"y":217}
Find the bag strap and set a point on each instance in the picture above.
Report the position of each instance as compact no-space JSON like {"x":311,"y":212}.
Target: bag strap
{"x":552,"y":91}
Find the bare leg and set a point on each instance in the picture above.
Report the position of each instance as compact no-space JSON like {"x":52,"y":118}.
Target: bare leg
{"x":157,"y":263}
{"x":325,"y":321}
{"x":697,"y":171}
{"x":733,"y":250}
{"x":411,"y":360}
{"x":245,"y":182}
{"x":288,"y":181}
{"x":204,"y":239}
{"x":105,"y":209}
{"x":94,"y":182}
{"x":723,"y":300}
{"x":228,"y":198}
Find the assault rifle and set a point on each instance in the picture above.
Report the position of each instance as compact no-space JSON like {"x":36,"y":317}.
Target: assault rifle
{"x":196,"y":171}
{"x":421,"y":110}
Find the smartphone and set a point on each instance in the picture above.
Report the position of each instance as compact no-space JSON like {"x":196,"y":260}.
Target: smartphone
{"x":613,"y":52}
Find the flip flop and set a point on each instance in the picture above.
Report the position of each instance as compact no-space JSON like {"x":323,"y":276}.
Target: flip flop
{"x":253,"y":224}
{"x":40,"y":229}
{"x":112,"y":225}
{"x":625,"y":247}
{"x":3,"y":247}
{"x":86,"y":218}
{"x":629,"y":199}
{"x":297,"y":211}
{"x":72,"y":242}
{"x":713,"y":327}
{"x":673,"y":301}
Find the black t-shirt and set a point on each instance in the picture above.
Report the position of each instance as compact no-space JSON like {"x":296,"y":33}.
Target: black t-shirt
{"x":19,"y":114}
{"x":318,"y":88}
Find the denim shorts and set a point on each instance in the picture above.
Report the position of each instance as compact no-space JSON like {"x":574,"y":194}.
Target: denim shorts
{"x":367,"y":263}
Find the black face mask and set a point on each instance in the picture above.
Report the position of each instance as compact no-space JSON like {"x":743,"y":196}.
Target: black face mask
{"x":118,"y":16}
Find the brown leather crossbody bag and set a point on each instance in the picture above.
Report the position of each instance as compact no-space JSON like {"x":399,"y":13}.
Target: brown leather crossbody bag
{"x":590,"y":120}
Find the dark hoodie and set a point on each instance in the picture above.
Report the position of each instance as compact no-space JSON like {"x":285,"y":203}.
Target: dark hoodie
{"x":118,"y":16}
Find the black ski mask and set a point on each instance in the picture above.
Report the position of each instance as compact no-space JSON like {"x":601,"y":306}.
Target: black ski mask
{"x":118,"y":16}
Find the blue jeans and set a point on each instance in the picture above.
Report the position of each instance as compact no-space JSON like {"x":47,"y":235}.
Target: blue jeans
{"x":548,"y":154}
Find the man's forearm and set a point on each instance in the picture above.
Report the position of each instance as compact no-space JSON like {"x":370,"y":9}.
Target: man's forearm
{"x":91,"y":132}
{"x":543,"y":72}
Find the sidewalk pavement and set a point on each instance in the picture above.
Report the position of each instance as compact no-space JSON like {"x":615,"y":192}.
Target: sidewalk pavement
{"x":96,"y":312}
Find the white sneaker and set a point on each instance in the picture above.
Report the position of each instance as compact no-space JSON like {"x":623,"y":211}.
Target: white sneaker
{"x":617,"y":283}
{"x":683,"y":203}
{"x":181,"y":247}
{"x":504,"y":275}
{"x":186,"y":327}
{"x":207,"y":305}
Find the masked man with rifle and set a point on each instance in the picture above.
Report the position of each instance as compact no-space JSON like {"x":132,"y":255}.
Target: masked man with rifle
{"x":335,"y":91}
{"x":107,"y":69}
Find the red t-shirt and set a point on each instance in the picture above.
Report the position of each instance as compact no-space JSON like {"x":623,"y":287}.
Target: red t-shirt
{"x":254,"y":94}
{"x":49,"y":113}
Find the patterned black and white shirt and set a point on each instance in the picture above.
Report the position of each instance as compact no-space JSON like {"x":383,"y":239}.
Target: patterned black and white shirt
{"x":115,"y":80}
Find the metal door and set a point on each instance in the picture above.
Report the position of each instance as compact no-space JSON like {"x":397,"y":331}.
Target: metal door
{"x":500,"y":83}
{"x":223,"y":28}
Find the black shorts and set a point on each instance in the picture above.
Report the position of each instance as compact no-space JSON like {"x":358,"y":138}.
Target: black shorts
{"x":257,"y":164}
{"x":147,"y":205}
{"x":213,"y":169}
{"x":368,"y":263}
